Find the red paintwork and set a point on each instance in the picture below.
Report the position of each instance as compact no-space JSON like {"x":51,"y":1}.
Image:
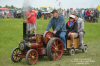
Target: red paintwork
{"x":4,"y":9}
{"x":48,"y":36}
{"x":57,"y":48}
{"x":39,"y":42}
{"x":38,"y":45}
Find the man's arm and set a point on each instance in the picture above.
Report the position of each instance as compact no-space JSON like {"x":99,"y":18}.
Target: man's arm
{"x":82,"y":26}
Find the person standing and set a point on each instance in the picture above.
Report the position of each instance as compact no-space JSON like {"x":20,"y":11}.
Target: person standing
{"x":31,"y":21}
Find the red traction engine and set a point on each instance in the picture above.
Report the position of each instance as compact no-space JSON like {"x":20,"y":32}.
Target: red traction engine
{"x":37,"y":46}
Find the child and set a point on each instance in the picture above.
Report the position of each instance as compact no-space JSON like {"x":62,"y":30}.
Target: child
{"x":71,"y":27}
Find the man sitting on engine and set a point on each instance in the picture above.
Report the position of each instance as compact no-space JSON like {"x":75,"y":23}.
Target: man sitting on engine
{"x":58,"y":25}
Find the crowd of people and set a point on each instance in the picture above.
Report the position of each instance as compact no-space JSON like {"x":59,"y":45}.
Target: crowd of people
{"x":89,"y":15}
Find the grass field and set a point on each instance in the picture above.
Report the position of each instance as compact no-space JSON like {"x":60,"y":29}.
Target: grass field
{"x":11,"y":35}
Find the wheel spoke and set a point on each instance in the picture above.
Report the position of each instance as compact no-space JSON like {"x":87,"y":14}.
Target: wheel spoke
{"x":32,"y":57}
{"x":16,"y":55}
{"x":53,"y":49}
{"x":55,"y":56}
{"x":60,"y":44}
{"x":30,"y":60}
{"x":60,"y":47}
{"x":60,"y":51}
{"x":57,"y":42}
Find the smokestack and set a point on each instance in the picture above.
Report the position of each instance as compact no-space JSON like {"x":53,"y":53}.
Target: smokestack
{"x":26,"y":7}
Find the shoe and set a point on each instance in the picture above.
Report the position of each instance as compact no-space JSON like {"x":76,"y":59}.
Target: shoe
{"x":65,"y":49}
{"x":81,"y":46}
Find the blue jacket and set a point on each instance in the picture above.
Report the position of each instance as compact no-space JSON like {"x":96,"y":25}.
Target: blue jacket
{"x":57,"y":24}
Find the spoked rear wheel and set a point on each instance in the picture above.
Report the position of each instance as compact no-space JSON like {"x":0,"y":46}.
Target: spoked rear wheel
{"x":15,"y":57}
{"x":55,"y":49}
{"x":32,"y":56}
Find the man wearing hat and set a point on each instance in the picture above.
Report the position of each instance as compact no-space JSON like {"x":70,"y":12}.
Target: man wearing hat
{"x":81,"y":32}
{"x":58,"y":25}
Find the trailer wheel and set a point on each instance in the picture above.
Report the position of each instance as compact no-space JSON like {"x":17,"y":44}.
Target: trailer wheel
{"x":84,"y":50}
{"x":71,"y":51}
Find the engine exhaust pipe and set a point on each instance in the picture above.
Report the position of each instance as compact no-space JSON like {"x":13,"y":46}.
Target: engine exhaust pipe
{"x":24,"y":30}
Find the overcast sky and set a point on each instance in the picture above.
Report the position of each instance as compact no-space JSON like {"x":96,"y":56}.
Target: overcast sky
{"x":53,"y":3}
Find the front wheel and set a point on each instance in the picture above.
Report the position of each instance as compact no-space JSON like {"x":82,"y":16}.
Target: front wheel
{"x":15,"y":57}
{"x":32,"y":56}
{"x":55,"y":49}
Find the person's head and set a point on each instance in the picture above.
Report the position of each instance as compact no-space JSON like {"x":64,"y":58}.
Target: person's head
{"x":30,"y":10}
{"x":76,"y":17}
{"x":71,"y":18}
{"x":55,"y":13}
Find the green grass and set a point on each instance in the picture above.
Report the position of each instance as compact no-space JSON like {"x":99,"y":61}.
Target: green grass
{"x":11,"y":35}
